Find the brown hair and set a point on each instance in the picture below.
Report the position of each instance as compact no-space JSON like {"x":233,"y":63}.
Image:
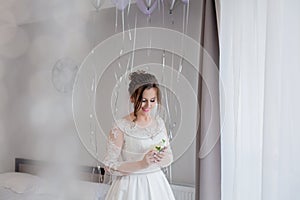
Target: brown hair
{"x":139,"y":82}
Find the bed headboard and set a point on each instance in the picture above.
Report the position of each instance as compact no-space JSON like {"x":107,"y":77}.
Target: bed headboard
{"x":86,"y":173}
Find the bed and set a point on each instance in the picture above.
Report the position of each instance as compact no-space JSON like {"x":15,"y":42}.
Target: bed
{"x":34,"y":180}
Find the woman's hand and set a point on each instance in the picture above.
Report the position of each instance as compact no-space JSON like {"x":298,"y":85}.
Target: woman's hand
{"x":153,"y":157}
{"x":159,"y":155}
{"x":149,"y":158}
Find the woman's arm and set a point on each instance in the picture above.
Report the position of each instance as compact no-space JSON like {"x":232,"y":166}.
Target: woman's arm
{"x":130,"y":167}
{"x":112,"y":158}
{"x":165,"y":157}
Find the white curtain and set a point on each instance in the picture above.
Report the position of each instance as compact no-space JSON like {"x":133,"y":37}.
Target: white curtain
{"x":260,"y":100}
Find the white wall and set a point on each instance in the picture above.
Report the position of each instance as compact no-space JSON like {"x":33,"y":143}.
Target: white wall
{"x":35,"y":119}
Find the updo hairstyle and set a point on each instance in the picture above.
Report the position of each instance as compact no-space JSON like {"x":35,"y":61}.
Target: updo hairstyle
{"x":139,"y":82}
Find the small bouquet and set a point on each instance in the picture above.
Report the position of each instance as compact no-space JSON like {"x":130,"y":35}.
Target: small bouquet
{"x":161,"y":145}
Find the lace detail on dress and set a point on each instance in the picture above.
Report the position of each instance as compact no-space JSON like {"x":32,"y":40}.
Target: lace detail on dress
{"x":168,"y":152}
{"x":113,"y":151}
{"x":115,"y":132}
{"x":131,"y":129}
{"x":127,"y":143}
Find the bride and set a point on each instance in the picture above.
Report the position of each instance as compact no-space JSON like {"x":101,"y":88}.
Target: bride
{"x":138,"y":146}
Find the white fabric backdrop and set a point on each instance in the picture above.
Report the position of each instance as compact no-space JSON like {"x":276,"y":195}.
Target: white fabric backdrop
{"x":259,"y":69}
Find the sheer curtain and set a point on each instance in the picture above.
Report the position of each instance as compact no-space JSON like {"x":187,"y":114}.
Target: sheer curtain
{"x":259,"y":69}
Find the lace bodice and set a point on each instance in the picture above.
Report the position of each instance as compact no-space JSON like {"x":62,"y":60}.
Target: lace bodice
{"x":128,"y":142}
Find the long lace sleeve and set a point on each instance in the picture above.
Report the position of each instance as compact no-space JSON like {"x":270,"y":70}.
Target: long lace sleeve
{"x":112,"y":159}
{"x":168,"y":159}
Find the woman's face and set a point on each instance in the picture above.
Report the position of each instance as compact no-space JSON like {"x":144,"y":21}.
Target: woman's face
{"x":149,"y":101}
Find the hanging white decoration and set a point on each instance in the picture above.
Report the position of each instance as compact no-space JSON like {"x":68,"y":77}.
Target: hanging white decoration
{"x":120,"y":4}
{"x":171,"y":4}
{"x":185,"y":1}
{"x":97,"y":3}
{"x":147,"y":6}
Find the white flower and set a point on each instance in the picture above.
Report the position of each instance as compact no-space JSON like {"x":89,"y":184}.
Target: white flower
{"x":161,"y":145}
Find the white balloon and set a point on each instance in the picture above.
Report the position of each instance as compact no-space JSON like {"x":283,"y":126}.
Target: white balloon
{"x":185,"y":1}
{"x":171,"y":4}
{"x":121,"y":4}
{"x":147,"y":6}
{"x":97,"y":3}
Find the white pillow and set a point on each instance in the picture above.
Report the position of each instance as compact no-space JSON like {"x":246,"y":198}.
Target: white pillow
{"x":19,"y":182}
{"x":75,"y":190}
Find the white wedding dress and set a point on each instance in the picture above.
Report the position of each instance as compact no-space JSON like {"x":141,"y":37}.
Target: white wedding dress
{"x":146,"y":184}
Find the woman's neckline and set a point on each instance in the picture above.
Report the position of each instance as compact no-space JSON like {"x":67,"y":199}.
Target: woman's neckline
{"x":130,"y":120}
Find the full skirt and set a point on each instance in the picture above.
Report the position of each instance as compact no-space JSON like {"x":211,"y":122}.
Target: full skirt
{"x":148,"y":186}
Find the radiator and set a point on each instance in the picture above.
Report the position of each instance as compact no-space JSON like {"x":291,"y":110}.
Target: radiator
{"x":183,"y":192}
